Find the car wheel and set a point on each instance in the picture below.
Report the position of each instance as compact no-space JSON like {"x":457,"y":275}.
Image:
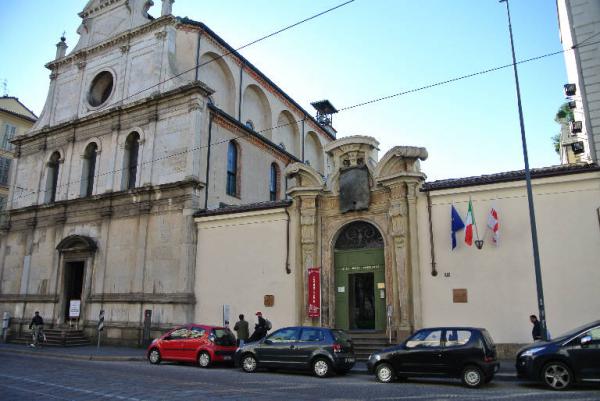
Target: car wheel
{"x":321,"y":367}
{"x":249,"y":363}
{"x":472,"y":376}
{"x":204,"y":359}
{"x":384,"y":373}
{"x":154,"y":356}
{"x":557,"y":375}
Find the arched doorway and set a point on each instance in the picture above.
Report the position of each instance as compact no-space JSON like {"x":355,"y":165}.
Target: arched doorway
{"x":359,"y":264}
{"x":77,"y":252}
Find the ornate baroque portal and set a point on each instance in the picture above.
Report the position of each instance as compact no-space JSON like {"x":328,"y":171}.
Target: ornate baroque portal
{"x":368,"y":257}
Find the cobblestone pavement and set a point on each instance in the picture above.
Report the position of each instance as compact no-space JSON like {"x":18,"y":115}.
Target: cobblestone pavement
{"x":26,"y":377}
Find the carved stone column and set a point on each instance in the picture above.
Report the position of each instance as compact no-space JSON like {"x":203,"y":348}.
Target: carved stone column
{"x":305,"y":191}
{"x":397,"y":215}
{"x":308,"y":241}
{"x":411,"y":197}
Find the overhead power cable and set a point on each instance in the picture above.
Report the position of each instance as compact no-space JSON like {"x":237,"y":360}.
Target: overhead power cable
{"x":357,"y":105}
{"x":270,"y":35}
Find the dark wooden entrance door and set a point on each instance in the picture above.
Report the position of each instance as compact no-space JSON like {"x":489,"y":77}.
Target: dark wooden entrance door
{"x":73,"y":283}
{"x":361,"y":292}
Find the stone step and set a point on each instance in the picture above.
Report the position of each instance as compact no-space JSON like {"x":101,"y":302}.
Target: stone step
{"x":56,"y":337}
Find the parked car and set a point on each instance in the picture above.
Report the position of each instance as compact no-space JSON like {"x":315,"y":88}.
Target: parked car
{"x":194,"y":343}
{"x":463,"y":352}
{"x":572,"y":357}
{"x":319,"y":349}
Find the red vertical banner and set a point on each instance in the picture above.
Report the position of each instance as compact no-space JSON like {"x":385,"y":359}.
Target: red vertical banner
{"x":314,"y":292}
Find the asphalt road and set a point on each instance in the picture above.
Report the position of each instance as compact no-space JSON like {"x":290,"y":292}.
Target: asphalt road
{"x":25,"y":377}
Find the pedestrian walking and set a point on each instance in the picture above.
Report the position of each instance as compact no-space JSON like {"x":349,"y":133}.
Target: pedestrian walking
{"x":261,"y":328}
{"x":536,"y":331}
{"x":241,"y":330}
{"x":37,"y":325}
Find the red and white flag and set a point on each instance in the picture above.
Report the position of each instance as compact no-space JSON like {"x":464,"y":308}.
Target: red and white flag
{"x":469,"y":223}
{"x":494,"y":225}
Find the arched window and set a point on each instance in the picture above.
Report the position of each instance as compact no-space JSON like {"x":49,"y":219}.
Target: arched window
{"x":132,"y":147}
{"x":273,"y":183}
{"x":232,"y":169}
{"x":52,"y":182}
{"x":89,"y":169}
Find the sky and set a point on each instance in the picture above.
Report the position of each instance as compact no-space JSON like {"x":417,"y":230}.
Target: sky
{"x":364,"y":50}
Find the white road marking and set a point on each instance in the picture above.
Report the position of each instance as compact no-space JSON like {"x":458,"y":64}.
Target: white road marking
{"x":81,"y":390}
{"x":25,"y":390}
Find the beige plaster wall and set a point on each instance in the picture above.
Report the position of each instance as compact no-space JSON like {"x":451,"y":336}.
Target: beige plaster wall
{"x":241,"y":257}
{"x":500,"y":279}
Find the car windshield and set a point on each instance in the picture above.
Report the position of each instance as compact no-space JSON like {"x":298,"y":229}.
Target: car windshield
{"x":341,"y":336}
{"x":573,"y":332}
{"x":224,"y":337}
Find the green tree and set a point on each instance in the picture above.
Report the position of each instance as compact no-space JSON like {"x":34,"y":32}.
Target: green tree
{"x":563,"y":116}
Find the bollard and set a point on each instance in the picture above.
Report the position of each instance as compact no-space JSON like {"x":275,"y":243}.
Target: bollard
{"x":146,"y":329}
{"x":5,"y":325}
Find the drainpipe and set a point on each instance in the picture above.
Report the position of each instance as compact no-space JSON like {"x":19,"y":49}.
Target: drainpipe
{"x":287,"y":244}
{"x":206,"y":181}
{"x":431,"y":243}
{"x":198,"y":55}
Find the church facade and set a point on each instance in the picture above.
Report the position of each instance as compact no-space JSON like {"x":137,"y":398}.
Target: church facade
{"x":167,"y":174}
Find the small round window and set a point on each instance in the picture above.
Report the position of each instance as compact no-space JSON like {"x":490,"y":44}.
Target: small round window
{"x":100,"y":89}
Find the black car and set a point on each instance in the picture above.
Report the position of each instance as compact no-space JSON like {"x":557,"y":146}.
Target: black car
{"x":464,"y":352}
{"x":319,"y":349}
{"x":572,"y":357}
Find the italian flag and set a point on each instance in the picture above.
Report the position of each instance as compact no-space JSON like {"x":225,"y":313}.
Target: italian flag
{"x":469,"y":225}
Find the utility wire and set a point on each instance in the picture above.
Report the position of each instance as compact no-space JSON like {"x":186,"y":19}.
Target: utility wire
{"x":361,"y":104}
{"x":234,"y":51}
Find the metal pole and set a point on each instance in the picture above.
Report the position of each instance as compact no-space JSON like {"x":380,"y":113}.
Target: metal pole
{"x":534,"y":239}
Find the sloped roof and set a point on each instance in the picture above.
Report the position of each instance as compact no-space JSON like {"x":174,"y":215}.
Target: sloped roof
{"x":249,"y":207}
{"x":13,"y":106}
{"x":508,"y":176}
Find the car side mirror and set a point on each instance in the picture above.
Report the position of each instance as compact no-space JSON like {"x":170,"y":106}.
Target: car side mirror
{"x":585,"y":341}
{"x":268,"y":342}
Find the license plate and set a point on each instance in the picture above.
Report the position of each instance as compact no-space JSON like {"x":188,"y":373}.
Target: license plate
{"x":349,"y":360}
{"x":227,"y":358}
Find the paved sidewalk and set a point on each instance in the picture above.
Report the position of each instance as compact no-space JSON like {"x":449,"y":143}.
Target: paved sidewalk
{"x":88,"y":352}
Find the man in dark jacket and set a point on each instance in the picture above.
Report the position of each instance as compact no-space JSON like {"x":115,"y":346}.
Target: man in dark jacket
{"x":260,"y":328}
{"x":536,"y":332}
{"x":241,"y":329}
{"x":37,"y":324}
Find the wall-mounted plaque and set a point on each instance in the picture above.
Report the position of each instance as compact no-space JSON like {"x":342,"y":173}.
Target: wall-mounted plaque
{"x":459,"y":295}
{"x":269,"y":300}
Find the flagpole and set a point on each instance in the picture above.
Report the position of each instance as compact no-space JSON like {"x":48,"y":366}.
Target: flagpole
{"x":534,"y":238}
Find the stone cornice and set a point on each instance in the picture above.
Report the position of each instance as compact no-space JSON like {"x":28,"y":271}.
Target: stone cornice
{"x":140,"y":297}
{"x":228,"y":122}
{"x":46,"y":131}
{"x":117,"y":40}
{"x":139,"y":191}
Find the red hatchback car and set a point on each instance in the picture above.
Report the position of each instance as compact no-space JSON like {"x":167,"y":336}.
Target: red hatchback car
{"x":194,"y":343}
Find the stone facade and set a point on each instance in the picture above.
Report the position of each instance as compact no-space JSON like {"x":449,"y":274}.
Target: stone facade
{"x":393,"y":185}
{"x":132,"y":142}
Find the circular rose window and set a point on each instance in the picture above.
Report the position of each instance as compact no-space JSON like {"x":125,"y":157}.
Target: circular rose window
{"x":100,"y":89}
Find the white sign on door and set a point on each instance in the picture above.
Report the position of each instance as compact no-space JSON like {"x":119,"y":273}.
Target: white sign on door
{"x":74,"y":308}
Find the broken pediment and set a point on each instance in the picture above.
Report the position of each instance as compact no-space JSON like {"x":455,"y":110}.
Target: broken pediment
{"x":303,"y":177}
{"x":400,"y":161}
{"x":104,"y":19}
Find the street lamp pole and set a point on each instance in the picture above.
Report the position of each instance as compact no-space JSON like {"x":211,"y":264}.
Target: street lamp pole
{"x":534,"y":238}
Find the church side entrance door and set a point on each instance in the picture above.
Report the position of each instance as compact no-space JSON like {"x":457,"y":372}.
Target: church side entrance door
{"x":73,"y":283}
{"x":360,"y":289}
